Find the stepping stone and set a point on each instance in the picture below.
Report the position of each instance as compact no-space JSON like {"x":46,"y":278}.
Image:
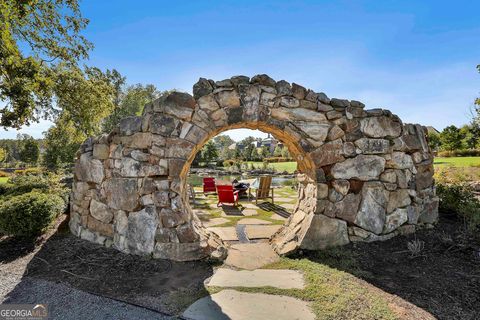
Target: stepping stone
{"x":282,"y":279}
{"x":235,"y":305}
{"x":214,"y":222}
{"x":249,"y":212}
{"x":261,"y":232}
{"x":225,"y":233}
{"x":253,"y":221}
{"x":251,"y":256}
{"x":249,"y":205}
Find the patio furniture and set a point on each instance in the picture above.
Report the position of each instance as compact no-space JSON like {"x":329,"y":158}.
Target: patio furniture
{"x":264,"y":189}
{"x":226,"y":194}
{"x":191,"y":193}
{"x":209,"y":185}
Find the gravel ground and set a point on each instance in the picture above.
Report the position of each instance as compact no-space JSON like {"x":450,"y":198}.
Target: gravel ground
{"x":65,"y":302}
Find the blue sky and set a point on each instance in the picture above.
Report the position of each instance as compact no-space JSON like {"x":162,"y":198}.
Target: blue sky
{"x":416,"y":58}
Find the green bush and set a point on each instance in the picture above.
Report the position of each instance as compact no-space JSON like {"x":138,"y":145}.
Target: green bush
{"x":20,"y":184}
{"x":4,"y":174}
{"x":461,"y":201}
{"x":229,"y":163}
{"x":30,"y":213}
{"x":277,"y":159}
{"x":459,"y":153}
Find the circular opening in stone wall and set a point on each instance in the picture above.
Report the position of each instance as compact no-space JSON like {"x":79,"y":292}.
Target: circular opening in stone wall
{"x":247,"y":185}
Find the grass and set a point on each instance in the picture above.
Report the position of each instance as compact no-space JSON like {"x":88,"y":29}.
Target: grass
{"x":457,"y":161}
{"x":3,"y":180}
{"x":333,"y":294}
{"x":290,"y":167}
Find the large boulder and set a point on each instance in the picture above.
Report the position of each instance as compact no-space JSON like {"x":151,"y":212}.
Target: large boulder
{"x":324,"y":232}
{"x":362,"y":167}
{"x":371,"y":215}
{"x":381,"y":127}
{"x":142,"y":226}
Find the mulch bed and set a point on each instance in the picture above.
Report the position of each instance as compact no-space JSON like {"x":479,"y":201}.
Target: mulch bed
{"x":161,"y":285}
{"x":444,"y":278}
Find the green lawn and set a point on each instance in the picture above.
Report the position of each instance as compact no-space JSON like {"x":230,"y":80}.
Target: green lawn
{"x":290,"y":167}
{"x":458,"y":161}
{"x":3,"y":180}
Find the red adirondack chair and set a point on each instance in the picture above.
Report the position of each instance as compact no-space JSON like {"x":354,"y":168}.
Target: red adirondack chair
{"x":209,"y":185}
{"x":226,"y":194}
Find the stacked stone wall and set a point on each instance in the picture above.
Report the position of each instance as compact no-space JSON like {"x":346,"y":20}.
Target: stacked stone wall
{"x":365,"y":175}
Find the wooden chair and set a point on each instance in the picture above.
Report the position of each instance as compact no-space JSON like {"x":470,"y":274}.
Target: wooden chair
{"x":226,"y":194}
{"x":209,"y":185}
{"x":264,"y":188}
{"x":191,"y":193}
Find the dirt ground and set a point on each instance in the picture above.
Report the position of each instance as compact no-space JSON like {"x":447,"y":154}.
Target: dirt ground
{"x":444,"y":279}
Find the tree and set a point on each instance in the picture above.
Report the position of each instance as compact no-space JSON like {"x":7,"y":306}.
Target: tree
{"x":248,"y":147}
{"x":36,"y":36}
{"x":61,"y":143}
{"x":277,"y":152}
{"x":451,"y":138}
{"x":129,"y":102}
{"x":223,"y":142}
{"x":285,"y":152}
{"x":434,"y":141}
{"x":30,"y":150}
{"x":209,"y":152}
{"x":471,"y":135}
{"x":3,"y":155}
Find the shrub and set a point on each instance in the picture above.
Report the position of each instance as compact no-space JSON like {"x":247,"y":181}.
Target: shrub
{"x":30,"y":213}
{"x":277,"y":159}
{"x":459,"y":153}
{"x":29,"y":171}
{"x":228,"y":163}
{"x":4,"y":174}
{"x":460,"y":200}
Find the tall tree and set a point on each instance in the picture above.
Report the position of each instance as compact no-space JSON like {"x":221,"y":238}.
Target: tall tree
{"x":3,"y":155}
{"x":129,"y":101}
{"x":36,"y":36}
{"x":209,"y":152}
{"x":451,"y":138}
{"x":30,"y":150}
{"x":61,"y":143}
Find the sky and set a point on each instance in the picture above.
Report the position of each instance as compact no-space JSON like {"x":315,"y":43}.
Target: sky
{"x":415,"y":58}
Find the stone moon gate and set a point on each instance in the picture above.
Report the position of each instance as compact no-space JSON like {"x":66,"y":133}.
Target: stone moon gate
{"x":364,"y":175}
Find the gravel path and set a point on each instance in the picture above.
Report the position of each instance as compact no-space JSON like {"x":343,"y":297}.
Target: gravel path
{"x":67,"y":303}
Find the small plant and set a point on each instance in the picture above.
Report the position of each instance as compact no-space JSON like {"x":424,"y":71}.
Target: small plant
{"x":415,"y":247}
{"x":460,"y":200}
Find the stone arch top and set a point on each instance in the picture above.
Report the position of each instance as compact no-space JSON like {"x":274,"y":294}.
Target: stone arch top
{"x":364,"y":174}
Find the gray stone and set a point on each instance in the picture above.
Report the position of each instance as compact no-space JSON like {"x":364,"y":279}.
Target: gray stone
{"x":329,"y":153}
{"x":324,"y":232}
{"x":101,"y":151}
{"x":121,"y":193}
{"x":317,"y":132}
{"x":342,"y":103}
{"x":202,"y":88}
{"x":398,"y":199}
{"x":283,"y":88}
{"x":388,"y":176}
{"x":371,"y":215}
{"x":373,"y":146}
{"x":130,"y":125}
{"x":299,"y":114}
{"x":89,"y":170}
{"x":341,"y":186}
{"x":381,"y":127}
{"x":362,"y":167}
{"x":141,"y":230}
{"x":395,"y":220}
{"x":231,"y":304}
{"x":263,"y":79}
{"x":282,"y":279}
{"x":228,"y":99}
{"x":400,"y":160}
{"x":100,"y":211}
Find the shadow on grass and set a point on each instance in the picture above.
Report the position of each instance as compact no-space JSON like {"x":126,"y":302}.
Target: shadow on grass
{"x":281,"y":211}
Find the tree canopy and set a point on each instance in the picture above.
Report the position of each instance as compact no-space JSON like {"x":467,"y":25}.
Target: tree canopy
{"x":37,"y":36}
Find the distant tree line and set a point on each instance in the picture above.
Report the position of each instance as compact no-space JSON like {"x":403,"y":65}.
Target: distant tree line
{"x":25,"y":150}
{"x":219,"y":149}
